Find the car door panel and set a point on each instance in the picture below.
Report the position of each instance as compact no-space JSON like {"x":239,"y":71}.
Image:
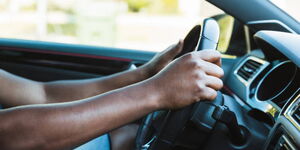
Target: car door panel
{"x":39,"y":73}
{"x":47,"y":61}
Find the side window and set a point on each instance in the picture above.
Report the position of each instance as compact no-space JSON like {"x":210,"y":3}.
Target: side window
{"x":150,"y":25}
{"x":232,"y":36}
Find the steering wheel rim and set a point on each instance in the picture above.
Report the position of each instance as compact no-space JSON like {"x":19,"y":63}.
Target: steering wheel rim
{"x":165,"y":138}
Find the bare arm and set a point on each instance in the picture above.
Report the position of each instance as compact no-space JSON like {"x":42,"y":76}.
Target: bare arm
{"x":70,"y":124}
{"x":67,"y":125}
{"x":70,"y":90}
{"x":16,"y":91}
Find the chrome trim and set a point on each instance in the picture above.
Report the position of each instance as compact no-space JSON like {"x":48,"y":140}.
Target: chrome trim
{"x":291,"y":109}
{"x":148,"y":144}
{"x":253,"y":103}
{"x":266,"y":106}
{"x":260,"y":69}
{"x":272,"y":21}
{"x":288,"y":142}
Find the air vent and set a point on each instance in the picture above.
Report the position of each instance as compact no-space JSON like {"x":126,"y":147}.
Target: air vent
{"x":292,"y":112}
{"x":248,"y":69}
{"x":296,"y":115}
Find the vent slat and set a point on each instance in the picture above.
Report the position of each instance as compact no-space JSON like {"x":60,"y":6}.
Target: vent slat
{"x":245,"y":73}
{"x":248,"y":69}
{"x":242,"y":75}
{"x":257,"y":64}
{"x":251,"y":66}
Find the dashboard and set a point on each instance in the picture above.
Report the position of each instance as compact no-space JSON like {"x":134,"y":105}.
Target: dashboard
{"x":267,"y":83}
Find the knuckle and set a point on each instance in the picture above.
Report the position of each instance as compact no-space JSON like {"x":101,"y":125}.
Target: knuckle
{"x":188,"y":56}
{"x":201,"y":75}
{"x":212,"y":52}
{"x":215,"y":53}
{"x":202,"y":54}
{"x":198,"y":76}
{"x":208,"y":51}
{"x":218,"y":54}
{"x":201,"y":64}
{"x":200,"y":87}
{"x":195,"y":76}
{"x":193,"y":64}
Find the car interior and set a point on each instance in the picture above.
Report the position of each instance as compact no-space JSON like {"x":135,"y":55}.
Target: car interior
{"x":258,"y":107}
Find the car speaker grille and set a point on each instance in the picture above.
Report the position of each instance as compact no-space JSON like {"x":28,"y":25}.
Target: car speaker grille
{"x":248,"y":69}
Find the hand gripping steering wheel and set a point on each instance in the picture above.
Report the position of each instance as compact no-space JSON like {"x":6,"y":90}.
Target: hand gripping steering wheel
{"x":166,"y":130}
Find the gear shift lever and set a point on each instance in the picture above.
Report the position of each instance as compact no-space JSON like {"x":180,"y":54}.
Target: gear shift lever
{"x":224,"y":115}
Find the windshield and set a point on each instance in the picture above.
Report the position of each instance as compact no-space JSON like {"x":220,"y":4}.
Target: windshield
{"x":289,"y":6}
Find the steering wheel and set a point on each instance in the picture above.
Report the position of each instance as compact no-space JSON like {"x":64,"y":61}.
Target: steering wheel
{"x":166,"y":130}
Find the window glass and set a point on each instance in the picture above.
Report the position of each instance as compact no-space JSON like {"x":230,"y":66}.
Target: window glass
{"x":135,"y":24}
{"x":289,"y":6}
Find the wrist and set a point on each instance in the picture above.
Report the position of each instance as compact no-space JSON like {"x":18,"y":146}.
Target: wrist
{"x":155,"y":96}
{"x":146,"y":71}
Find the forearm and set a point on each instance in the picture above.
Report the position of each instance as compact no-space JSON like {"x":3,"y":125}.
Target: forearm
{"x":61,"y":126}
{"x":63,"y":91}
{"x":69,"y":90}
{"x":17,"y":91}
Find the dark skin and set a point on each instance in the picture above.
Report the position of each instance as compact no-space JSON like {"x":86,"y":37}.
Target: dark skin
{"x":70,"y":90}
{"x":120,"y":99}
{"x":65,"y":91}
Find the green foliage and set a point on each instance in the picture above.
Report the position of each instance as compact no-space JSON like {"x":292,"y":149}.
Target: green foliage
{"x":55,"y":7}
{"x":64,"y":29}
{"x":31,"y":7}
{"x":163,"y":7}
{"x":226,"y":27}
{"x":170,"y":6}
{"x":137,"y":5}
{"x":153,"y":6}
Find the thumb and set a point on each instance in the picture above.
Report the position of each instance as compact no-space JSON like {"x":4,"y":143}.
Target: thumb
{"x":175,"y":50}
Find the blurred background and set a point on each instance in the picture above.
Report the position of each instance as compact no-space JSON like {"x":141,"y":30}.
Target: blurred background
{"x":136,"y":24}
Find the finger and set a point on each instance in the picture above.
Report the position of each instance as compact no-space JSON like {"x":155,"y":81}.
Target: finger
{"x":208,"y":94}
{"x":175,"y":50}
{"x":219,"y":63}
{"x":168,"y":53}
{"x":212,"y":56}
{"x":213,"y":82}
{"x":211,"y":69}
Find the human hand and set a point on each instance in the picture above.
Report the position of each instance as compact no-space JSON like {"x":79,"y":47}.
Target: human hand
{"x":160,"y":60}
{"x":189,"y":79}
